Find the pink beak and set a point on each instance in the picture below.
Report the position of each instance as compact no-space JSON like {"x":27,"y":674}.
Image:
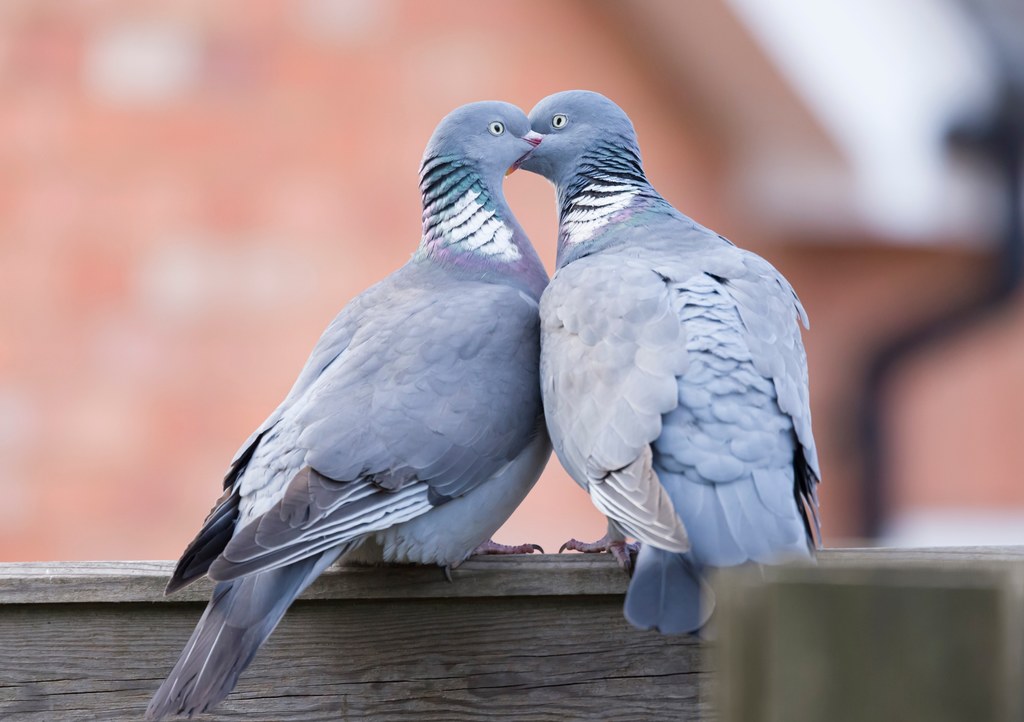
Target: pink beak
{"x":533,"y":139}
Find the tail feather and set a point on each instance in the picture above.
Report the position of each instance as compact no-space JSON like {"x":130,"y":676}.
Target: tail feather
{"x":240,"y":616}
{"x":667,"y":593}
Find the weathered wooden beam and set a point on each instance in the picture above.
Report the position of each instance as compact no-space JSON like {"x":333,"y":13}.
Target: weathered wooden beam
{"x":902,"y":635}
{"x":516,"y":638}
{"x":545,"y":575}
{"x":144,"y":581}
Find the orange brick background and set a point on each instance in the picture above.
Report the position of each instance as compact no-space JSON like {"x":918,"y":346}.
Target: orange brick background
{"x":190,"y":190}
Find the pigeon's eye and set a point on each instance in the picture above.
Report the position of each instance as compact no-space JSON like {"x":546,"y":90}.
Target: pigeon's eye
{"x":496,"y":128}
{"x":559,"y":121}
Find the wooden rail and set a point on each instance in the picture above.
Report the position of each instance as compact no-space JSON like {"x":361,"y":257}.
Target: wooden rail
{"x":515,"y":638}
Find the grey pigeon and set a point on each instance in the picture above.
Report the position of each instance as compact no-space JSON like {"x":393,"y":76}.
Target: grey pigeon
{"x":673,"y":374}
{"x":413,"y":431}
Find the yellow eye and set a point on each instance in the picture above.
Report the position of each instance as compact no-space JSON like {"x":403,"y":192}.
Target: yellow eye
{"x":559,"y":121}
{"x":496,"y":128}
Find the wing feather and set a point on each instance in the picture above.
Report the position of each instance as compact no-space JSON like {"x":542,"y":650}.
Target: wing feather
{"x":609,"y":357}
{"x":317,"y":514}
{"x":370,"y":442}
{"x":730,"y":454}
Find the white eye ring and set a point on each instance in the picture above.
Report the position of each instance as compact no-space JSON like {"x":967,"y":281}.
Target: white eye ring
{"x":559,"y":120}
{"x":496,"y":128}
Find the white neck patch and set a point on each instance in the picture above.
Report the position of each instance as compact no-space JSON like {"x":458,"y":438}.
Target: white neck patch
{"x":468,"y":224}
{"x":592,"y":209}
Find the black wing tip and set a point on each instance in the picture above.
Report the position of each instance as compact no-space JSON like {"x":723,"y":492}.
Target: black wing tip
{"x":179,"y":581}
{"x":805,"y":493}
{"x":216,"y":531}
{"x":193,"y":564}
{"x":208,"y":544}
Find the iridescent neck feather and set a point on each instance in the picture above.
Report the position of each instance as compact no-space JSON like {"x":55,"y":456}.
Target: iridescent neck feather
{"x":461,"y":215}
{"x":607,"y":182}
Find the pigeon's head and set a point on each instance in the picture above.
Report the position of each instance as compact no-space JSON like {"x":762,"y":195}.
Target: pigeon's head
{"x":492,"y":136}
{"x":572,"y":123}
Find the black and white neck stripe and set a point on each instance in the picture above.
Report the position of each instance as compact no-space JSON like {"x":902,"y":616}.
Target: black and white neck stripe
{"x":608,"y":179}
{"x":459,"y":212}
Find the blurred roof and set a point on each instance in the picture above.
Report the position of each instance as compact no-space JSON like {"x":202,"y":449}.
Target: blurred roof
{"x":861,"y":98}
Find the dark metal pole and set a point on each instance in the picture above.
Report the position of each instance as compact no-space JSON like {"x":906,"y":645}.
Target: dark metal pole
{"x":1000,"y":137}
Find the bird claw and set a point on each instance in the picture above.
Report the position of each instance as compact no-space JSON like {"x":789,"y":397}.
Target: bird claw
{"x":492,"y":547}
{"x":623,"y":553}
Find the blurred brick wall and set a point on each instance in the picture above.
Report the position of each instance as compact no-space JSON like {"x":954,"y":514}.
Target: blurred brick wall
{"x":191,"y":189}
{"x":955,"y":414}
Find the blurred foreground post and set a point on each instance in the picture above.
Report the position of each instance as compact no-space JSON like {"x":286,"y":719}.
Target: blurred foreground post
{"x":900,"y":636}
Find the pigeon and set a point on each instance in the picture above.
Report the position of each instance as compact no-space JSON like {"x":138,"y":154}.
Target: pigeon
{"x":673,"y":374}
{"x":411,"y":434}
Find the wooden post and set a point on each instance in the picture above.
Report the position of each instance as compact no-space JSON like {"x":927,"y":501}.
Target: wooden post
{"x":879,"y":635}
{"x":515,"y":638}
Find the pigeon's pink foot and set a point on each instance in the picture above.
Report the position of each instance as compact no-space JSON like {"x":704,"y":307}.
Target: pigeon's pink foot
{"x":622,"y":552}
{"x":492,"y":547}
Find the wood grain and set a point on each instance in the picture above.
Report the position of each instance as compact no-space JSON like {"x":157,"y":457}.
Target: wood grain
{"x":527,"y":575}
{"x":510,"y":658}
{"x":144,"y":581}
{"x":515,"y":638}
